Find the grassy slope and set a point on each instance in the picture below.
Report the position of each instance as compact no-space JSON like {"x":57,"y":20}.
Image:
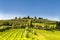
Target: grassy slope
{"x":19,"y":34}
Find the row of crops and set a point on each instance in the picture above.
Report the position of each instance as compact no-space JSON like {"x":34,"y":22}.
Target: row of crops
{"x":17,"y":34}
{"x":20,"y":34}
{"x":11,"y":34}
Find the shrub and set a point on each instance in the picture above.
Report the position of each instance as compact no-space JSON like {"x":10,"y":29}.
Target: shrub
{"x":57,"y":25}
{"x":3,"y":28}
{"x":6,"y":23}
{"x":35,"y":17}
{"x":15,"y":18}
{"x":46,"y":27}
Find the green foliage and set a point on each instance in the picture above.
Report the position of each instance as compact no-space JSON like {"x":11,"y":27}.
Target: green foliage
{"x":35,"y":17}
{"x":16,"y":26}
{"x":46,"y":27}
{"x":3,"y":28}
{"x":15,"y":18}
{"x":40,"y":18}
{"x":23,"y":25}
{"x":58,"y":25}
{"x":24,"y":18}
{"x":5,"y":23}
{"x":28,"y":17}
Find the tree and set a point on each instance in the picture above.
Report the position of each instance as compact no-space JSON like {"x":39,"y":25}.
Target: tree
{"x":6,"y":23}
{"x":24,"y":18}
{"x":15,"y":17}
{"x":40,"y":18}
{"x":35,"y":17}
{"x":58,"y":25}
{"x":28,"y":17}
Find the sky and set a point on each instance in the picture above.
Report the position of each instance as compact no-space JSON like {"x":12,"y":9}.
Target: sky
{"x":49,"y":9}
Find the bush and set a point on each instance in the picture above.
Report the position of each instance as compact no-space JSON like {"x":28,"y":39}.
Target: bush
{"x":57,"y":25}
{"x":3,"y":28}
{"x":46,"y":27}
{"x":6,"y":24}
{"x":16,"y":26}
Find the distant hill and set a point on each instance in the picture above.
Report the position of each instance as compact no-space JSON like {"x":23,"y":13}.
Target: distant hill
{"x":30,"y":22}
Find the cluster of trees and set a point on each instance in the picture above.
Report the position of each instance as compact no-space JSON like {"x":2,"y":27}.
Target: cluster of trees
{"x":5,"y":26}
{"x":28,"y":17}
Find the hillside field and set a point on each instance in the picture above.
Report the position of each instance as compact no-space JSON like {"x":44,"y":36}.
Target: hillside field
{"x":20,"y":34}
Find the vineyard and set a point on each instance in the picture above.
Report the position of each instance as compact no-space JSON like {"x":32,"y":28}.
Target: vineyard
{"x":20,"y":34}
{"x":29,"y":20}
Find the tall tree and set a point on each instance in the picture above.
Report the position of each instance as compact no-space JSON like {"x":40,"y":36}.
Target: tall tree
{"x":58,"y":25}
{"x":15,"y":17}
{"x":35,"y":17}
{"x":40,"y":18}
{"x":28,"y":17}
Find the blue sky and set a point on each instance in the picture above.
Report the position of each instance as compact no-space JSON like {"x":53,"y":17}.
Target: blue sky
{"x":49,"y":9}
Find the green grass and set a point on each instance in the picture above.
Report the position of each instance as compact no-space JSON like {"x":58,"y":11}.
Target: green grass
{"x":20,"y":34}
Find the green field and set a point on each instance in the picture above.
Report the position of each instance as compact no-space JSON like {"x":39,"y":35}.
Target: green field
{"x":20,"y":34}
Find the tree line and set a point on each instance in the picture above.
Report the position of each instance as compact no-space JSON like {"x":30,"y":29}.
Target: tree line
{"x":28,"y":17}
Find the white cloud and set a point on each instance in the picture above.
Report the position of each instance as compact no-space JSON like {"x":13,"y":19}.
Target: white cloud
{"x":54,"y":18}
{"x":4,"y":16}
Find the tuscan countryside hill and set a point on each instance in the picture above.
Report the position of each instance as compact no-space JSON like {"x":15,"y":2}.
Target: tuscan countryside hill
{"x":29,"y":19}
{"x":28,"y":28}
